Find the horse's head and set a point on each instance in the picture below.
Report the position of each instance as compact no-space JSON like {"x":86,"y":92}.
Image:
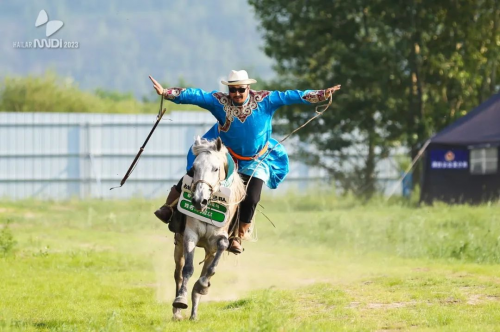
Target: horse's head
{"x":210,"y":167}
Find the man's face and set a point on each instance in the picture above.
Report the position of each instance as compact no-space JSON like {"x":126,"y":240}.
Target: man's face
{"x":238,"y":93}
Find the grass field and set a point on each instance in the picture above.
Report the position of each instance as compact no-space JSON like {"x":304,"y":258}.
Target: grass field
{"x":329,"y":265}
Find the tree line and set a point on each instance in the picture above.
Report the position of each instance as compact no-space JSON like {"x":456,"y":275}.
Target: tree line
{"x":52,"y":93}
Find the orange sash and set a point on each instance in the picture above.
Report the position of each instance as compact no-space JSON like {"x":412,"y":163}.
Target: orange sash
{"x":259,"y":154}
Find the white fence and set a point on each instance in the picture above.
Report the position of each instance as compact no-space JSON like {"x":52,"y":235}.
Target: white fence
{"x":60,"y":155}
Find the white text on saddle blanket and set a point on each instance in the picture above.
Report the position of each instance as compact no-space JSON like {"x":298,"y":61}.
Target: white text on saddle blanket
{"x":217,"y":211}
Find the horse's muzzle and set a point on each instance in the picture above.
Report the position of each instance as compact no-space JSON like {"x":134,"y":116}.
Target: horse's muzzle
{"x":199,"y":204}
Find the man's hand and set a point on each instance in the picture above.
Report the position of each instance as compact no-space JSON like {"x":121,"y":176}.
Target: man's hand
{"x":159,"y":89}
{"x":330,"y":91}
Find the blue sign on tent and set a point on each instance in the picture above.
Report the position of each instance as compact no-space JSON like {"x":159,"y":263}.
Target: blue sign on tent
{"x":449,"y":159}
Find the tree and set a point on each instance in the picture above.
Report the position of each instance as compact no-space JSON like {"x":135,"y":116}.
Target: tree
{"x":318,"y":44}
{"x":407,"y":69}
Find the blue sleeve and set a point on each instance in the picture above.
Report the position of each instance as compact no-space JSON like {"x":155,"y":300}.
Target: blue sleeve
{"x":191,"y":96}
{"x":290,"y":97}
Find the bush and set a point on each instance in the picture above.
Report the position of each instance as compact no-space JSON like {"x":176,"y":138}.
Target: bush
{"x":7,"y":242}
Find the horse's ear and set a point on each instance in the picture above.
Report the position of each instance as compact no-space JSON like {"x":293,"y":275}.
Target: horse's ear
{"x":218,"y":144}
{"x":197,"y":140}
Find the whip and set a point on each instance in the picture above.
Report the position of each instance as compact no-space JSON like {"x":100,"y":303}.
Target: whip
{"x":136,"y":159}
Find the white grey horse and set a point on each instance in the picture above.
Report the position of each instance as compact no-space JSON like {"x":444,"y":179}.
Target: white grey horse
{"x":210,"y":169}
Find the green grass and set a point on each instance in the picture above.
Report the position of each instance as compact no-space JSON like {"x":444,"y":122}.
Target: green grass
{"x":329,"y":265}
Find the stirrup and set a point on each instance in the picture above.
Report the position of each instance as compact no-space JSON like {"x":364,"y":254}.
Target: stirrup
{"x":237,"y":239}
{"x":234,"y":238}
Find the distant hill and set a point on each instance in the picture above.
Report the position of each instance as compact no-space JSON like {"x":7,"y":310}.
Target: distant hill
{"x":122,"y":42}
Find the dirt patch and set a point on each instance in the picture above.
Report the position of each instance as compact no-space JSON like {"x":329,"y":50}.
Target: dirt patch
{"x":474,"y":299}
{"x":5,"y":210}
{"x":353,"y":305}
{"x":393,"y":305}
{"x":450,"y":300}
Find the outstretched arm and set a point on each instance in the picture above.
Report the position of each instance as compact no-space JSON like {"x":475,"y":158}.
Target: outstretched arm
{"x":289,"y":97}
{"x":184,"y":96}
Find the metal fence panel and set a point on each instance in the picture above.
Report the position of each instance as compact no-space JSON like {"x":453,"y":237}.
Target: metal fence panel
{"x":65,"y":155}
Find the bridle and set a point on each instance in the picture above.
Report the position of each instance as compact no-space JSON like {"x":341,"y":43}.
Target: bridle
{"x":210,"y":186}
{"x":194,"y":184}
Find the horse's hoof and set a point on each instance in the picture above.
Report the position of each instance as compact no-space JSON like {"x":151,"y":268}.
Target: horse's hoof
{"x":177,"y":317}
{"x":200,"y":289}
{"x":180,"y":302}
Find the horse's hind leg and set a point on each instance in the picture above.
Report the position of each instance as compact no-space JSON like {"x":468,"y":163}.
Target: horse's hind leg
{"x":179,"y":264}
{"x":181,"y":301}
{"x":201,"y":286}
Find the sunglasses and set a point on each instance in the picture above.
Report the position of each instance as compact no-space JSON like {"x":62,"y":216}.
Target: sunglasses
{"x":240,"y":90}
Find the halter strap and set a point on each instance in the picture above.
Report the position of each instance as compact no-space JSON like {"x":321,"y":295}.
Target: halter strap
{"x":193,"y":185}
{"x":231,"y":168}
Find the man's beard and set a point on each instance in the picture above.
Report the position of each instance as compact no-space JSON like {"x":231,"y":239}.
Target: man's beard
{"x":238,"y":103}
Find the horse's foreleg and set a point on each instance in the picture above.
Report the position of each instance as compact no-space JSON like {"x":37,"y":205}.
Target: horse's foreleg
{"x":198,"y":290}
{"x":187,"y":271}
{"x":203,"y":283}
{"x":179,"y":264}
{"x":201,"y":286}
{"x":222,"y":245}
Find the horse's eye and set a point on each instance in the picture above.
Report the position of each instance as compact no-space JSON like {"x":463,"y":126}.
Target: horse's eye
{"x":215,"y":169}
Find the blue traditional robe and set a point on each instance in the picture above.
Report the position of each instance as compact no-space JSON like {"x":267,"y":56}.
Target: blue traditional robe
{"x":246,"y":129}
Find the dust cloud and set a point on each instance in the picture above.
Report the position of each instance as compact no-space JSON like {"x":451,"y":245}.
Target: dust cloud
{"x":262,"y":266}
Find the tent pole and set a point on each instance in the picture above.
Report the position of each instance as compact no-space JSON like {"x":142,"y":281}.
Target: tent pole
{"x":408,"y":170}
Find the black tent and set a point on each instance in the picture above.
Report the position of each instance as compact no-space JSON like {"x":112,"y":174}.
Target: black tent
{"x":461,"y":161}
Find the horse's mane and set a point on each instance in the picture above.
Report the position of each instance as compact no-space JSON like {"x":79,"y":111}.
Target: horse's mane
{"x":204,"y":145}
{"x":237,"y":187}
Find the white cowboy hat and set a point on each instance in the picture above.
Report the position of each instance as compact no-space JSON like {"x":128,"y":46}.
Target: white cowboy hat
{"x":239,"y":77}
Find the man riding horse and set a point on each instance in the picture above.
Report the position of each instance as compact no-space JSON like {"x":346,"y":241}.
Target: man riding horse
{"x":244,"y":125}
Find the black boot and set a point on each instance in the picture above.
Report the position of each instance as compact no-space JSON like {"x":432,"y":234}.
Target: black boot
{"x":165,"y":212}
